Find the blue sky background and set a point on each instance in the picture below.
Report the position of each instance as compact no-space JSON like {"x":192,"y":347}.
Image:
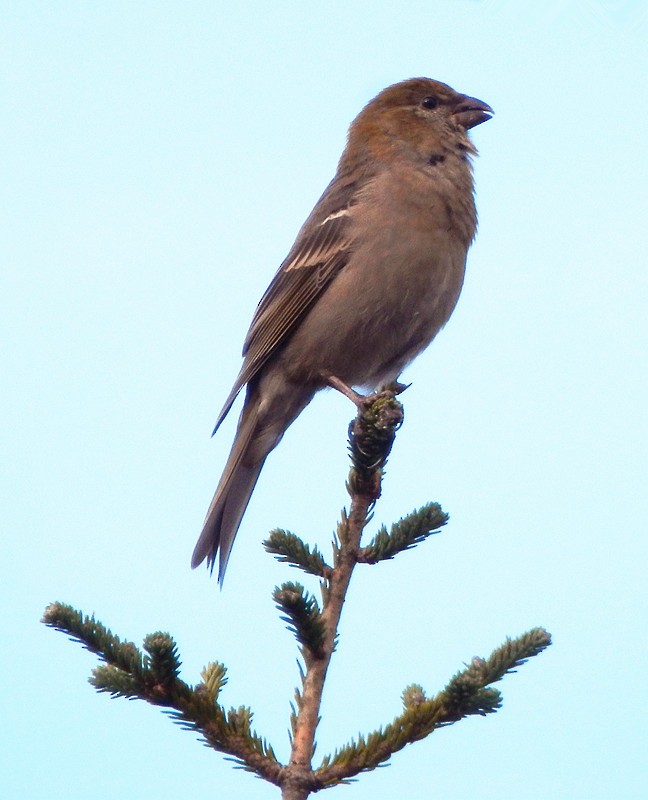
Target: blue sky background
{"x":158,"y":159}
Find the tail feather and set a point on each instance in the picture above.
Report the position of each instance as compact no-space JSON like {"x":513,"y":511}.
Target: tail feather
{"x":270,"y":407}
{"x":231,"y":498}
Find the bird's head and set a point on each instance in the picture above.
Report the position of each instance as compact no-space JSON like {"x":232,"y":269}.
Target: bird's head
{"x":416,"y":112}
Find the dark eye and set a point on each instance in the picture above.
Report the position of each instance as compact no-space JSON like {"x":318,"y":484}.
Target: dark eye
{"x":429,"y":102}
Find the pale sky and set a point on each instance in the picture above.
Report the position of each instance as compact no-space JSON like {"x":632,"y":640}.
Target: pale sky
{"x":158,"y":160}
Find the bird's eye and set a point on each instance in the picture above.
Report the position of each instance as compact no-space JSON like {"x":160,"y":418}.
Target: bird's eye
{"x":429,"y":102}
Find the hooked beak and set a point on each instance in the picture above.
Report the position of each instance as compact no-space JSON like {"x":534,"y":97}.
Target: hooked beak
{"x":470,"y":112}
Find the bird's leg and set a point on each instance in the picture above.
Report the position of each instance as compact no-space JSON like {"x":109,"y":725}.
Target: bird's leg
{"x":362,"y":401}
{"x":335,"y":383}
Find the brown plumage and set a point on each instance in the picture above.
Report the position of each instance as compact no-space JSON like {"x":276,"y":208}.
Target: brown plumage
{"x":374,"y":274}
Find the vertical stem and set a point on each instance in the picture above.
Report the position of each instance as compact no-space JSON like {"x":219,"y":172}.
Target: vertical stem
{"x":316,"y":668}
{"x":294,"y":791}
{"x":371,"y":437}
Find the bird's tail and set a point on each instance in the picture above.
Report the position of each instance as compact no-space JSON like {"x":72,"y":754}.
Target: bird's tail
{"x":232,"y":495}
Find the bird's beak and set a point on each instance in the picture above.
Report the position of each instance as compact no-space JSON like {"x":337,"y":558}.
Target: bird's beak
{"x":470,"y":112}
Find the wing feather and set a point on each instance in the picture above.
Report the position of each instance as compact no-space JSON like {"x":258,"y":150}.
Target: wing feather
{"x":321,"y":250}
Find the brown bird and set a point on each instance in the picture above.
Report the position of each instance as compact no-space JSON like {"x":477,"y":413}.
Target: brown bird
{"x":374,"y":274}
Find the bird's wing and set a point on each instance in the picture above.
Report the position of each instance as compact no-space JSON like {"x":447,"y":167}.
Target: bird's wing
{"x":320,"y":251}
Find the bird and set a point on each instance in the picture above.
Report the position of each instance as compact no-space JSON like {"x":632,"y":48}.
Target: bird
{"x":375,"y":272}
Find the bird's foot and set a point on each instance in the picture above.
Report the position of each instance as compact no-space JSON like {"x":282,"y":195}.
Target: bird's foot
{"x":395,"y":387}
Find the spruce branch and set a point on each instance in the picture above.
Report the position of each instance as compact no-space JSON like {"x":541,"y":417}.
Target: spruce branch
{"x":162,"y":660}
{"x":413,"y":695}
{"x":214,"y":678}
{"x":115,"y":681}
{"x":466,"y":694}
{"x":94,"y":636}
{"x":291,"y":549}
{"x":153,"y":674}
{"x":404,"y":534}
{"x":301,"y":612}
{"x":155,"y":678}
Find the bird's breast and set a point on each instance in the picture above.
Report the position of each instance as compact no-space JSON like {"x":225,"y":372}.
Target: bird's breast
{"x":398,"y":288}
